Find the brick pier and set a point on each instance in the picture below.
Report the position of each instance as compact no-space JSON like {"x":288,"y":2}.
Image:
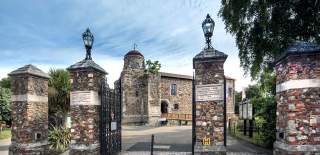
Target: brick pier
{"x":298,"y":100}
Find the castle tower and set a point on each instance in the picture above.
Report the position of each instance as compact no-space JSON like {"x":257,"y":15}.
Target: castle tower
{"x":133,"y":86}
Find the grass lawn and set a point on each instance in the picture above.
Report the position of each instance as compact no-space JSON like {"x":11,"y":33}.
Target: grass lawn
{"x":5,"y":134}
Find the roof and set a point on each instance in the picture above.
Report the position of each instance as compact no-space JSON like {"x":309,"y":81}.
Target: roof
{"x":87,"y":64}
{"x":134,"y":53}
{"x":29,"y":69}
{"x":229,"y":78}
{"x":300,"y":47}
{"x":172,"y":75}
{"x":210,"y":53}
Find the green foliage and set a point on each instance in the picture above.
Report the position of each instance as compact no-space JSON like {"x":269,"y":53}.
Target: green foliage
{"x":5,"y":110}
{"x":5,"y":82}
{"x":153,"y":67}
{"x":59,"y":92}
{"x":5,"y":134}
{"x":59,"y":139}
{"x":262,"y":96}
{"x":266,"y":116}
{"x":264,"y":28}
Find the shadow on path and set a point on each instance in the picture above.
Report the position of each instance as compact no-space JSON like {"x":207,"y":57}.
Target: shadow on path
{"x":237,"y":145}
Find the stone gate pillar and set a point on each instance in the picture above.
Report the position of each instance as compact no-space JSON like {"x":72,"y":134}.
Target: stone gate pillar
{"x":298,"y":100}
{"x":85,"y":77}
{"x":29,"y":88}
{"x":210,"y":101}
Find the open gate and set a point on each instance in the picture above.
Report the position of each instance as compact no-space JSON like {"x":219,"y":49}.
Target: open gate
{"x":110,"y":119}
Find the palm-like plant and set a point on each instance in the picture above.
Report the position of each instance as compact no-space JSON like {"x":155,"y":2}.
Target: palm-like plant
{"x":59,"y":139}
{"x":59,"y":94}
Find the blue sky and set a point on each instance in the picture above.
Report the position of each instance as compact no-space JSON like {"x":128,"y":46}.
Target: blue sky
{"x":48,"y":34}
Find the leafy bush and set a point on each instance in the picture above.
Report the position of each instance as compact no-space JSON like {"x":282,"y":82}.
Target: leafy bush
{"x":153,"y":67}
{"x":5,"y":110}
{"x":59,"y":139}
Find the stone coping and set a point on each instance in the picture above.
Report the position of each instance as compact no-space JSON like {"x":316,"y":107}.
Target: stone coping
{"x":31,"y":70}
{"x":210,"y":53}
{"x":299,"y":47}
{"x":85,"y":64}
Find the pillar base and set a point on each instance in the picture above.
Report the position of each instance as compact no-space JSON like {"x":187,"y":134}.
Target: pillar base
{"x":29,"y":149}
{"x":82,"y":149}
{"x":281,"y":148}
{"x":199,"y":149}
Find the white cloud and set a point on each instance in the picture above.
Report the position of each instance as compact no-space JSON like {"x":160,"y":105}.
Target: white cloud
{"x":165,"y":30}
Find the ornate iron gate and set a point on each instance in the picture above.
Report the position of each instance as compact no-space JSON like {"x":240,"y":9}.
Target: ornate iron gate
{"x":110,"y":119}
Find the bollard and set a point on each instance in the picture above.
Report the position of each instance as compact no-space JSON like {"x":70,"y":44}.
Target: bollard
{"x":234,"y":128}
{"x":152,"y":142}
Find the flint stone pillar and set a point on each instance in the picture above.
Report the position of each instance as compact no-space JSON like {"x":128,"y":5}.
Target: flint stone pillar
{"x":298,"y":100}
{"x":29,"y":88}
{"x":85,"y":103}
{"x":210,"y":102}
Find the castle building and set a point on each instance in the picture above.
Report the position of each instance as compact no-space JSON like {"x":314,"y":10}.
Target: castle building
{"x":151,"y":99}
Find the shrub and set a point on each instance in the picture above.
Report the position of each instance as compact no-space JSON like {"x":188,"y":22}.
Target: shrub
{"x":59,"y":139}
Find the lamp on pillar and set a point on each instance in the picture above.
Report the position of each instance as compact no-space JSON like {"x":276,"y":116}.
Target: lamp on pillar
{"x":208,"y":27}
{"x":209,"y":136}
{"x":88,"y":41}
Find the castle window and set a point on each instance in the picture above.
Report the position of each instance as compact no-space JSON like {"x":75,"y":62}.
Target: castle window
{"x":173,"y":89}
{"x":176,"y":106}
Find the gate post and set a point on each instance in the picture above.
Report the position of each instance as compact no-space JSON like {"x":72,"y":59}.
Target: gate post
{"x":210,"y":101}
{"x":298,"y":100}
{"x":85,"y":103}
{"x":29,"y":88}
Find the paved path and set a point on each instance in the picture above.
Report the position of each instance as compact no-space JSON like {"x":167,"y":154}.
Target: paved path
{"x":4,"y":146}
{"x":236,"y":145}
{"x":175,"y":140}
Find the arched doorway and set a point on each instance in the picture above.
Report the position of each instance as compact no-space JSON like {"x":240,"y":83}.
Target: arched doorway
{"x":164,"y":107}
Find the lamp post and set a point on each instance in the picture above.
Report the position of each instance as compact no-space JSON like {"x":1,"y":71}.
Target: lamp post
{"x":88,"y":41}
{"x":208,"y":27}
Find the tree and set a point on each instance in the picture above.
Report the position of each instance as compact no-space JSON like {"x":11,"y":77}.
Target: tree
{"x":153,"y":67}
{"x":5,"y":110}
{"x":264,"y":28}
{"x":5,"y":82}
{"x":59,"y":95}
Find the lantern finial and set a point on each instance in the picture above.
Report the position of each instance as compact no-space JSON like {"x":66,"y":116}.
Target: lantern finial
{"x":208,"y":27}
{"x":88,"y":41}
